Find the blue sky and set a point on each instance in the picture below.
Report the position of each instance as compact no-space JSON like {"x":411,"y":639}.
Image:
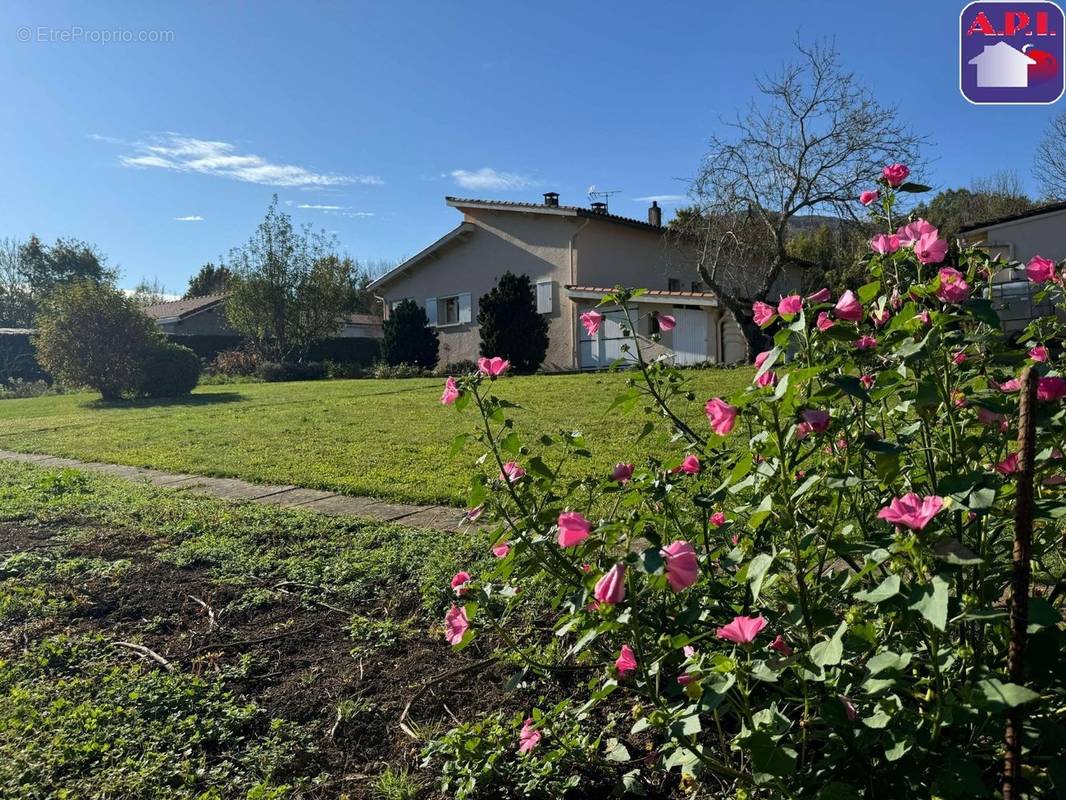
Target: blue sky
{"x":368,"y":114}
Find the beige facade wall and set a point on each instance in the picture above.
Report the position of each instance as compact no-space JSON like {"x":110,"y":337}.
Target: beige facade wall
{"x":1024,"y":238}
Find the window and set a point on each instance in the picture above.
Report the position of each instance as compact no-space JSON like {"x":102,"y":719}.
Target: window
{"x":448,"y":310}
{"x":673,"y":284}
{"x":544,"y":297}
{"x":451,"y":310}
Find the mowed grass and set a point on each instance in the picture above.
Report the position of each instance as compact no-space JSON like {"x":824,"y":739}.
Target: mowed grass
{"x":383,"y":438}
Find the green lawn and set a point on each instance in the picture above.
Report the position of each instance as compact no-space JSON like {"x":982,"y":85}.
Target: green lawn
{"x":385,"y":438}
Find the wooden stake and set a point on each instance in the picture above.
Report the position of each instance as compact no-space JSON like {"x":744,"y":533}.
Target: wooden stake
{"x":1019,"y":595}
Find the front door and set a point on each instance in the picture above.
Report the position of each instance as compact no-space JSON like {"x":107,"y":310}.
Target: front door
{"x":690,"y":335}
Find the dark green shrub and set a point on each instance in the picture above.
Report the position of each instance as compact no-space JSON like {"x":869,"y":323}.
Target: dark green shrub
{"x":408,"y":339}
{"x":510,"y":325}
{"x":274,"y":371}
{"x":167,"y":370}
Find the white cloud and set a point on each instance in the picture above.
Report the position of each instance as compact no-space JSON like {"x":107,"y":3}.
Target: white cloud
{"x":211,"y":157}
{"x":660,"y":198}
{"x":190,"y":218}
{"x":340,"y":211}
{"x":488,"y":178}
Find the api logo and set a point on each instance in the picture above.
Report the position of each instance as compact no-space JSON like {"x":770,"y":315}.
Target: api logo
{"x":1012,"y":53}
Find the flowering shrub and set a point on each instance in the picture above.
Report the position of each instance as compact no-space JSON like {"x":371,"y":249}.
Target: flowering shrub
{"x":808,"y":596}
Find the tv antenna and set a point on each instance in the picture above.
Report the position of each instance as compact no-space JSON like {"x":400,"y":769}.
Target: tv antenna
{"x":602,"y":197}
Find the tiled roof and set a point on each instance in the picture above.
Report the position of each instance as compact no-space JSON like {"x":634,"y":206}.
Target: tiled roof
{"x":1035,"y":212}
{"x":579,"y":211}
{"x":183,"y":308}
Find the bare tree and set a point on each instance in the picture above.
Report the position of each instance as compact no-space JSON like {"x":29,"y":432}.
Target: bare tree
{"x":1050,"y":162}
{"x":150,"y":293}
{"x":809,"y":144}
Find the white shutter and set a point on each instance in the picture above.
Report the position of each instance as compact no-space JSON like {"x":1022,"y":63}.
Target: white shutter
{"x":464,"y":307}
{"x":544,"y":297}
{"x":431,"y":310}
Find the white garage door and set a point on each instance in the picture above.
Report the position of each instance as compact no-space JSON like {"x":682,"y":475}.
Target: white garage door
{"x":603,"y":349}
{"x":690,"y":335}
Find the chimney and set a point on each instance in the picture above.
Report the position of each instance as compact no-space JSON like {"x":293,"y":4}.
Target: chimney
{"x":655,"y":214}
{"x":599,"y":208}
{"x":551,"y":198}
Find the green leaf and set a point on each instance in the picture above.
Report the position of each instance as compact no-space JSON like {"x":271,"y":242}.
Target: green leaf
{"x":981,"y":307}
{"x":757,"y":568}
{"x":769,"y":759}
{"x":458,"y":443}
{"x":1003,"y":695}
{"x":538,"y":467}
{"x":829,"y":652}
{"x":887,"y":660}
{"x":932,"y":602}
{"x":868,"y":291}
{"x":616,"y":751}
{"x":690,"y":725}
{"x":888,"y":588}
{"x":913,"y":188}
{"x":511,"y":443}
{"x":761,"y":513}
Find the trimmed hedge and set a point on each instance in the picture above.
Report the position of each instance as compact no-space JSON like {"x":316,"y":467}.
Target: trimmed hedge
{"x":348,"y":350}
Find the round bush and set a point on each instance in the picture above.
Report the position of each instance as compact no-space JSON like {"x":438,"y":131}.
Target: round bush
{"x":168,"y":370}
{"x":274,"y":371}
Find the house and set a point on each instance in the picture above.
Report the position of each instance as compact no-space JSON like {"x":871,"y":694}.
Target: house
{"x":1017,"y":238}
{"x":1002,"y":66}
{"x":574,"y":256}
{"x":206,"y":316}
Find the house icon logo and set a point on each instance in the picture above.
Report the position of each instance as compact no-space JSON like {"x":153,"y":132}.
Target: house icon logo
{"x":1012,"y":53}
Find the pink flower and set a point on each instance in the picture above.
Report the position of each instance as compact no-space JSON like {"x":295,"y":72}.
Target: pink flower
{"x":721,"y":415}
{"x":1039,"y":353}
{"x":912,"y":511}
{"x":626,"y":663}
{"x":682,"y":568}
{"x":895,"y":174}
{"x":502,"y":550}
{"x":717,"y":519}
{"x":865,"y":343}
{"x":823,"y":323}
{"x":780,"y":645}
{"x":761,"y":358}
{"x":768,"y":378}
{"x":474,"y":514}
{"x":512,"y":472}
{"x":992,"y":419}
{"x":667,"y":322}
{"x":924,"y":318}
{"x":1009,"y":465}
{"x":592,"y":321}
{"x":1040,"y":269}
{"x":762,"y":313}
{"x":451,"y":392}
{"x":953,"y":288}
{"x":849,"y":708}
{"x":611,"y":588}
{"x":790,"y":306}
{"x":528,"y":738}
{"x":803,"y":430}
{"x":456,"y":624}
{"x":817,"y":419}
{"x":884,"y":243}
{"x":959,"y":358}
{"x":688,"y":650}
{"x":622,"y":472}
{"x":913,"y":231}
{"x":460,"y":581}
{"x":742,"y":630}
{"x":848,"y":307}
{"x":573,"y":529}
{"x":1013,"y":385}
{"x":821,"y":296}
{"x":867,"y":381}
{"x":685,"y":679}
{"x":879,"y":316}
{"x":493,"y":367}
{"x":690,"y":466}
{"x":929,"y":249}
{"x":1049,"y":389}
{"x":869,"y":196}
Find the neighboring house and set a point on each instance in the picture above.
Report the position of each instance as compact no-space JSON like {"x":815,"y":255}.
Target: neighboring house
{"x":1017,"y":238}
{"x":206,"y":316}
{"x":574,"y":256}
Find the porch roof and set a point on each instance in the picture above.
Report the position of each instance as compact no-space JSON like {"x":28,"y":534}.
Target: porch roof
{"x":652,"y":296}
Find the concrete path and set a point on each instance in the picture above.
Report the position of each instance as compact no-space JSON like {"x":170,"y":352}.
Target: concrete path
{"x":441,"y":518}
